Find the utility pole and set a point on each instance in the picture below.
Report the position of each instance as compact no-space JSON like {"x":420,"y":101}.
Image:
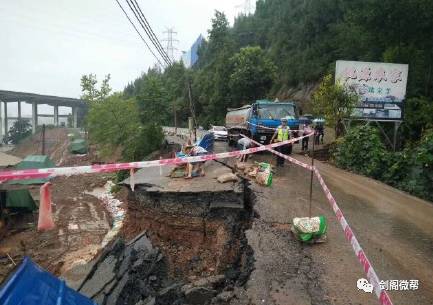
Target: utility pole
{"x":169,"y":49}
{"x":175,"y":117}
{"x":43,"y":139}
{"x":192,"y":109}
{"x":311,"y":176}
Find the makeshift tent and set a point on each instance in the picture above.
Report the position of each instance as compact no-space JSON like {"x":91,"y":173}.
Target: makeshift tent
{"x":34,"y":161}
{"x":20,"y":199}
{"x":31,"y":285}
{"x":78,"y":146}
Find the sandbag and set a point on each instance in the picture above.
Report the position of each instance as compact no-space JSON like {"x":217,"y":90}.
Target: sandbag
{"x":227,"y":178}
{"x":252,"y":171}
{"x":310,"y":229}
{"x":45,"y":221}
{"x":264,"y":174}
{"x":241,"y":165}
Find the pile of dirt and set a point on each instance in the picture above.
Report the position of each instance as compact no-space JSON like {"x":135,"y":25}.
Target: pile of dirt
{"x":56,"y":144}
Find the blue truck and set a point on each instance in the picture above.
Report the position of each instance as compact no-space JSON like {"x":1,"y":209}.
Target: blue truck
{"x":257,"y":120}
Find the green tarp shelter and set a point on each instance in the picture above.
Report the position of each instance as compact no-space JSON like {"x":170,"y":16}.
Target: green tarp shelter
{"x":34,"y":161}
{"x":20,"y":199}
{"x":78,"y":146}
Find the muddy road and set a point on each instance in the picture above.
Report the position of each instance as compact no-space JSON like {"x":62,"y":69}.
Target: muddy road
{"x":394,"y":228}
{"x":81,"y":224}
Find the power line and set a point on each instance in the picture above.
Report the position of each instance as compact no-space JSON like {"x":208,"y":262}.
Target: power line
{"x":145,"y":28}
{"x":139,"y":34}
{"x":152,"y":33}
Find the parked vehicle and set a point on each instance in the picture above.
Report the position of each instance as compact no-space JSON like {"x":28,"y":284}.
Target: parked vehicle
{"x":259,"y":120}
{"x":306,"y":119}
{"x":219,"y":132}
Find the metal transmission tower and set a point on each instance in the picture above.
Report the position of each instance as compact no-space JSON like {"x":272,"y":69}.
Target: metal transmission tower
{"x":169,"y":49}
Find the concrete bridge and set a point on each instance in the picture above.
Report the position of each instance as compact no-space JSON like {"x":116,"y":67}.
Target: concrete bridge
{"x":36,"y":99}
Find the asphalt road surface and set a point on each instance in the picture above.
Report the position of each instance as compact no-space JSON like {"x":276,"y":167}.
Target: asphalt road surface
{"x":394,"y":229}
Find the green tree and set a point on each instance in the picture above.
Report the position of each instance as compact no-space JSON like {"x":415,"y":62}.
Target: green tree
{"x":362,"y":151}
{"x":20,"y":129}
{"x":153,"y":102}
{"x":252,"y":75}
{"x":334,"y":102}
{"x":115,"y":124}
{"x":90,"y":92}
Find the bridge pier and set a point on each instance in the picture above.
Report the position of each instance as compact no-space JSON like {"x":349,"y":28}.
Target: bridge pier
{"x":34,"y":117}
{"x":75,"y":116}
{"x":56,"y":115}
{"x":19,"y":110}
{"x":6,"y":119}
{"x":34,"y":100}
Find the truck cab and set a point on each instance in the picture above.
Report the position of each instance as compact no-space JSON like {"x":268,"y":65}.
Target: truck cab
{"x":260,"y":119}
{"x":266,"y":116}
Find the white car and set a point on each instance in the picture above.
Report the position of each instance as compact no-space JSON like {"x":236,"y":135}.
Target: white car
{"x":219,"y":132}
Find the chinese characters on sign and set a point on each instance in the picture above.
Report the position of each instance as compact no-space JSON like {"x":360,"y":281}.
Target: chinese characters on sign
{"x":401,"y":285}
{"x":380,"y":86}
{"x":379,"y":75}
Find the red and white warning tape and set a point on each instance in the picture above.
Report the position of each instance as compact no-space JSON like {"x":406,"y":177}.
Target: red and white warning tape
{"x":350,"y":236}
{"x":106,"y":168}
{"x":293,"y":160}
{"x":372,"y":277}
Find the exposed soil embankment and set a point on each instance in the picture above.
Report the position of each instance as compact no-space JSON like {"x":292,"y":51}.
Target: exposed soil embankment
{"x":194,"y":245}
{"x":192,"y":249}
{"x":56,"y":144}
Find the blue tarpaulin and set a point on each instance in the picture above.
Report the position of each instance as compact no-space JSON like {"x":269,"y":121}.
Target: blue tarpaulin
{"x":207,"y":142}
{"x":31,"y":285}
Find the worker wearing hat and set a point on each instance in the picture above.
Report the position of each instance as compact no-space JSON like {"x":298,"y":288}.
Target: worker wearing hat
{"x":282,"y":133}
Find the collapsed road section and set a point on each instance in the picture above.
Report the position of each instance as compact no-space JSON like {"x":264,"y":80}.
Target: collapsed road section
{"x":193,"y":249}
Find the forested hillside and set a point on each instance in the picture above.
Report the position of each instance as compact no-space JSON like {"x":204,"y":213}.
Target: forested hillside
{"x":295,"y":43}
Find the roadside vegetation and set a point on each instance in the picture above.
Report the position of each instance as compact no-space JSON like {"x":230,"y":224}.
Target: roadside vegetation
{"x":117,"y":122}
{"x":19,"y":130}
{"x":288,"y":44}
{"x":362,"y":151}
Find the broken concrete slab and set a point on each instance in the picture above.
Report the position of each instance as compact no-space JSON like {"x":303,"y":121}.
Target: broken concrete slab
{"x":199,"y":295}
{"x":133,"y":272}
{"x":102,"y":277}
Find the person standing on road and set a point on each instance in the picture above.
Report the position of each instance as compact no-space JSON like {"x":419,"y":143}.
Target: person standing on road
{"x":319,"y":133}
{"x":306,"y":129}
{"x":282,"y":133}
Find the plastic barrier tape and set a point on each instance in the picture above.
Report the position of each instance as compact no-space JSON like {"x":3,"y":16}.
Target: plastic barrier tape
{"x":293,"y":160}
{"x":107,"y":168}
{"x":372,"y":277}
{"x":350,"y":237}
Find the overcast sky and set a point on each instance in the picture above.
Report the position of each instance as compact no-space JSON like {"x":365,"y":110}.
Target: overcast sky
{"x":46,"y":45}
